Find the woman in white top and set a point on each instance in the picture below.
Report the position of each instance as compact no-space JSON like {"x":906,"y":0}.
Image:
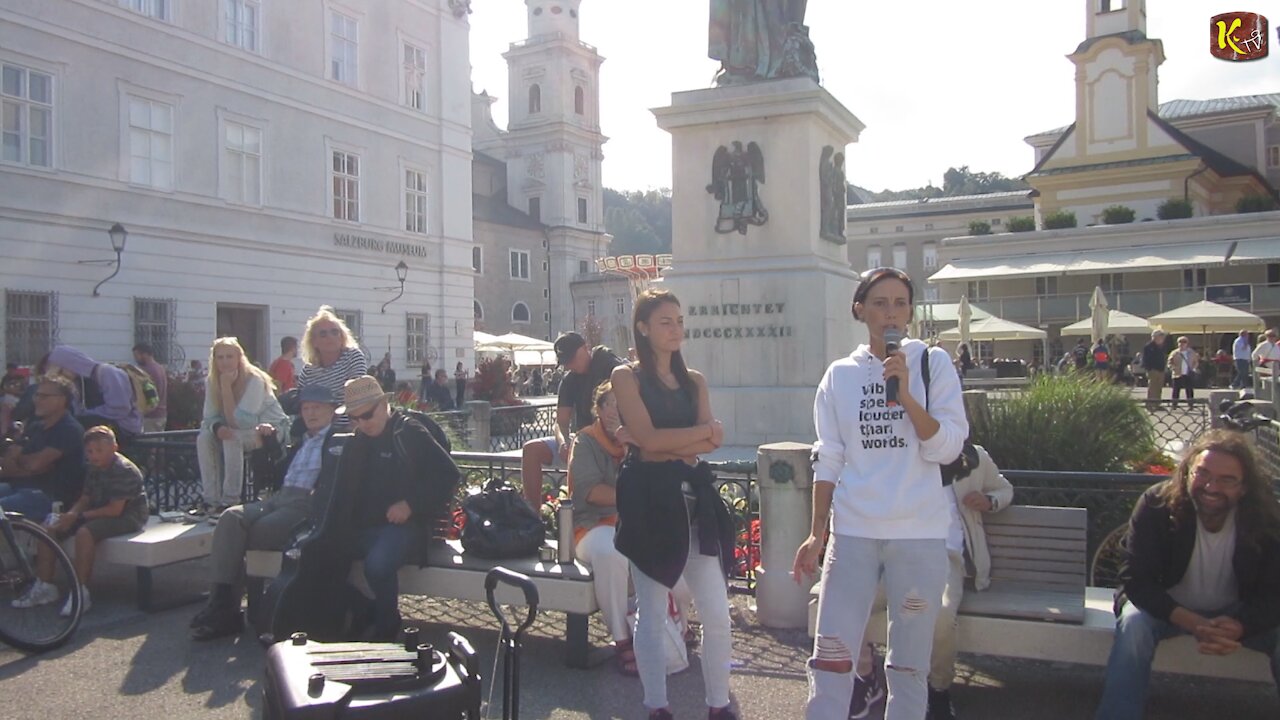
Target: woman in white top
{"x":240,"y":409}
{"x":877,"y":477}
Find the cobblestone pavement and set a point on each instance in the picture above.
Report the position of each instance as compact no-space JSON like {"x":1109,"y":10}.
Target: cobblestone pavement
{"x":125,"y":663}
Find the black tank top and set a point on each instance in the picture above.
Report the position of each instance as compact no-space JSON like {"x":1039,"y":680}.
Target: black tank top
{"x":667,"y":408}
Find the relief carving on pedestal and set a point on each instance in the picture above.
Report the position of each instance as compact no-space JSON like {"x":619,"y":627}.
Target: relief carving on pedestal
{"x":736,"y":176}
{"x":834,"y":197}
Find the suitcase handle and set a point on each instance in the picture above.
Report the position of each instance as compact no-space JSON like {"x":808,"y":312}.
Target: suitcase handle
{"x":518,"y":580}
{"x":464,"y":655}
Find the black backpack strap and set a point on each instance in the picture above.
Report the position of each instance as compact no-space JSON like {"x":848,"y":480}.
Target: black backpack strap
{"x":924,"y":373}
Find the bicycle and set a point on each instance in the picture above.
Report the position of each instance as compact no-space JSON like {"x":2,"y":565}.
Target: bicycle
{"x":43,"y":627}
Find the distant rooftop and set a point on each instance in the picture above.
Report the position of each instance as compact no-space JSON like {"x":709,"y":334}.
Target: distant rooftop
{"x":1182,"y":109}
{"x":1010,"y":195}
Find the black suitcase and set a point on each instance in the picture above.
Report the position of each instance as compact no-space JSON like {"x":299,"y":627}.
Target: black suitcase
{"x":309,"y":680}
{"x":510,"y":640}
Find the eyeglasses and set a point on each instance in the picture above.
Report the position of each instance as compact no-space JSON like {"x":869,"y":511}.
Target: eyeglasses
{"x":362,"y":417}
{"x":1225,"y":482}
{"x":327,"y":332}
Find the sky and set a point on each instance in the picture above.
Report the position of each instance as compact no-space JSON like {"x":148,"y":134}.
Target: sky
{"x":938,"y":83}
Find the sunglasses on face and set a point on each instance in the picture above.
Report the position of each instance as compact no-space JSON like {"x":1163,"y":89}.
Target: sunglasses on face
{"x":327,"y":332}
{"x":362,"y":417}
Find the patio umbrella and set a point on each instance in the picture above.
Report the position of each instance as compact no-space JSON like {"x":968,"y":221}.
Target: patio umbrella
{"x":1098,"y":315}
{"x":965,"y":315}
{"x":1118,"y":323}
{"x":994,"y":328}
{"x":1206,"y":317}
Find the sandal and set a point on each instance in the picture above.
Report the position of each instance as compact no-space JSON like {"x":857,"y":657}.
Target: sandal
{"x":624,"y":658}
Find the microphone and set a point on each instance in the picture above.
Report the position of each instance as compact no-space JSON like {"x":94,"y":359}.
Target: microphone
{"x":892,"y":343}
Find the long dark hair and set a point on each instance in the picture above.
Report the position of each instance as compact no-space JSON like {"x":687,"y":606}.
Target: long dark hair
{"x":646,"y":303}
{"x":1258,"y":510}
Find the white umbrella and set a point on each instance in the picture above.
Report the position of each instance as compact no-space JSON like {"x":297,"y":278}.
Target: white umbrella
{"x":994,"y":328}
{"x":965,"y":314}
{"x":1206,"y":317}
{"x":1118,"y":323}
{"x":516,"y":341}
{"x":1098,"y":315}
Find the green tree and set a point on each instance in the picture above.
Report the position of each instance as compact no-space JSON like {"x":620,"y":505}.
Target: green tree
{"x":640,"y":221}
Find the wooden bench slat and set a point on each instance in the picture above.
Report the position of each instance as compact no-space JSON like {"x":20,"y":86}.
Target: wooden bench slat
{"x":1002,"y":555}
{"x":1046,"y":543}
{"x":1039,"y":516}
{"x":1072,"y":566}
{"x":1038,"y":576}
{"x":1019,"y":531}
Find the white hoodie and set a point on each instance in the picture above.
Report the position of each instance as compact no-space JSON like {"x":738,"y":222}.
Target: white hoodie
{"x":888,"y":483}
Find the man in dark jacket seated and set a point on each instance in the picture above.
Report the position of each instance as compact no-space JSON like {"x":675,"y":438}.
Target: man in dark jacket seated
{"x":396,"y":482}
{"x":1202,"y":557}
{"x":269,"y":524}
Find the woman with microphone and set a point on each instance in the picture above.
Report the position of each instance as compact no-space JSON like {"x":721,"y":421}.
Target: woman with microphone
{"x":877,"y":478}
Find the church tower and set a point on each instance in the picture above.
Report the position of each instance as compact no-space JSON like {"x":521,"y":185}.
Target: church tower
{"x":553,"y":146}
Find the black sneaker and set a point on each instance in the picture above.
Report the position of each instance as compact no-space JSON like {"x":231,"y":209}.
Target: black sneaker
{"x":866,"y":692}
{"x":219,"y":624}
{"x":723,"y":713}
{"x":661,"y":714}
{"x":940,"y":705}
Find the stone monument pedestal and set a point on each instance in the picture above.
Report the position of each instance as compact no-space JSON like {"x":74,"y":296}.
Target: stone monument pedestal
{"x":768,"y":310}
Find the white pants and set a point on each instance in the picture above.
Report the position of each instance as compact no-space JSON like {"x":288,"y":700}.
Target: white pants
{"x":611,"y":572}
{"x":222,"y":464}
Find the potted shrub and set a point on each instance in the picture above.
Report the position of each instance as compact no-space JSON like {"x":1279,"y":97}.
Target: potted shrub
{"x":1255,"y":203}
{"x":1024,"y":223}
{"x":1174,"y":209}
{"x":1117,"y":215}
{"x":979,"y":227}
{"x":1060,"y":220}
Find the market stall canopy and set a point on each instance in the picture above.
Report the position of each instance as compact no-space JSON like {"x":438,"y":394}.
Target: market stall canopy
{"x":994,"y":328}
{"x":516,"y":341}
{"x":1206,"y":317}
{"x":1118,"y":323}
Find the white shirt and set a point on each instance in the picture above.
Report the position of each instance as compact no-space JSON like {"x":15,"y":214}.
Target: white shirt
{"x":1240,"y":349}
{"x":1266,"y":353}
{"x":1210,"y":581}
{"x":955,"y":534}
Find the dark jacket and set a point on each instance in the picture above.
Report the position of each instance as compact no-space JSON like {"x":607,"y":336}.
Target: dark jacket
{"x":1156,"y":555}
{"x":653,"y":522}
{"x":1154,"y":357}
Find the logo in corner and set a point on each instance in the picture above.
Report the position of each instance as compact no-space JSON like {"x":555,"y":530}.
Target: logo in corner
{"x":1238,"y":36}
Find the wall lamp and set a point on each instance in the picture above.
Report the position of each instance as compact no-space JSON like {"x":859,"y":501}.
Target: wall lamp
{"x":118,"y":236}
{"x":402,"y":271}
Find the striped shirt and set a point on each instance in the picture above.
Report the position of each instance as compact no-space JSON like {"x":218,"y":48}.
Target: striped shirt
{"x":350,"y":364}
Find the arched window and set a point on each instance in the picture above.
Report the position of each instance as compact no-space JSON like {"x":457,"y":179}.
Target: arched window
{"x":579,"y":100}
{"x":520,"y":313}
{"x":535,"y":99}
{"x":478,"y":310}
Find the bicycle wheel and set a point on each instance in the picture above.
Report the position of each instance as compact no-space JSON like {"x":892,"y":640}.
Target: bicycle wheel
{"x":41,"y":627}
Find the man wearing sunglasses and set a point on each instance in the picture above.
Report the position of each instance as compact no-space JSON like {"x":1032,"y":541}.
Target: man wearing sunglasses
{"x":395,"y":483}
{"x":47,"y":464}
{"x":1202,"y":557}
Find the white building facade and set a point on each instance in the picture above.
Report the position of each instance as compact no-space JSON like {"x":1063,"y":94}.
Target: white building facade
{"x":265,"y":157}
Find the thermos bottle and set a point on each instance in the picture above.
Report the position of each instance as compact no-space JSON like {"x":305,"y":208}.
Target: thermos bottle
{"x":564,"y":520}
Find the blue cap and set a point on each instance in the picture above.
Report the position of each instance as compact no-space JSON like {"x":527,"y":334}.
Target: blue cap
{"x":318,"y":393}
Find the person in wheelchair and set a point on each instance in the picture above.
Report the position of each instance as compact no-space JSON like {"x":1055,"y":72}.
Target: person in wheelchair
{"x":269,"y":524}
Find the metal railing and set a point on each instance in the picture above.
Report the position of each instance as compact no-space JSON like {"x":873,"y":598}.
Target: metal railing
{"x":457,"y":425}
{"x":511,"y":427}
{"x":1176,"y":424}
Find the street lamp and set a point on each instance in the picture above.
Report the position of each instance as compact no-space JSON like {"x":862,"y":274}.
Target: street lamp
{"x":118,"y":236}
{"x":402,"y":271}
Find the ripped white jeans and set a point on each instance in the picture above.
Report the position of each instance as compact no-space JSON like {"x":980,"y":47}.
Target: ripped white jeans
{"x":914,"y":573}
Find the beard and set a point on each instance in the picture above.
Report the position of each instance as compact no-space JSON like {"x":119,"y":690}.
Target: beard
{"x":1213,"y":504}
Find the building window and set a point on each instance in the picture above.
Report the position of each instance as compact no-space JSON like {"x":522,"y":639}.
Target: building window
{"x":154,"y":324}
{"x":928,"y":226}
{"x":353,"y":319}
{"x":150,"y":143}
{"x":28,"y":116}
{"x":535,"y":99}
{"x":1273,"y":156}
{"x":931,"y":293}
{"x":897,"y":228}
{"x":977,"y":290}
{"x":535,"y":208}
{"x":241,"y":163}
{"x":415,"y":77}
{"x":1194,"y":278}
{"x":546,"y":317}
{"x":1047,"y":285}
{"x":417,"y":328}
{"x":415,"y":201}
{"x":29,"y":329}
{"x":619,"y":306}
{"x":591,"y":308}
{"x":344,"y":39}
{"x":1111,"y":282}
{"x":584,"y":267}
{"x":995,"y":222}
{"x":477,"y":309}
{"x":346,"y":186}
{"x":519,"y":265}
{"x":519,"y":313}
{"x":158,"y":9}
{"x":579,"y":100}
{"x":241,"y":18}
{"x":873,"y":257}
{"x":1273,"y":274}
{"x":477,"y":260}
{"x":582,"y":210}
{"x":930,"y":256}
{"x":900,"y":256}
{"x":873,"y":230}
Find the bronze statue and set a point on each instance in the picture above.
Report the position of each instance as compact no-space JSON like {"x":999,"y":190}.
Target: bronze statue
{"x":736,"y":176}
{"x":834,"y":195}
{"x":760,"y":40}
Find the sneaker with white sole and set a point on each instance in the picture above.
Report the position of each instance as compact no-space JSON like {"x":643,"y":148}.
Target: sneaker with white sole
{"x":867,"y":691}
{"x":40,"y":593}
{"x":85,"y":603}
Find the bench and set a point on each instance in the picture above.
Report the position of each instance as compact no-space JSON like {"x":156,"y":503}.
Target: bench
{"x":1039,"y":606}
{"x":156,"y":545}
{"x":452,"y":574}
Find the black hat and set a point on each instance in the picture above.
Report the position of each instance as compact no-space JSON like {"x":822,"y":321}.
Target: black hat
{"x":567,"y":345}
{"x":318,"y":393}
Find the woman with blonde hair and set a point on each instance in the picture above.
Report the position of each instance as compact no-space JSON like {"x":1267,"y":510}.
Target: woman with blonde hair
{"x":330,"y":352}
{"x":240,"y":409}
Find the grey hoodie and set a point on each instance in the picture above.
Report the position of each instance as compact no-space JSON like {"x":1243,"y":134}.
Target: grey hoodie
{"x":114,"y":383}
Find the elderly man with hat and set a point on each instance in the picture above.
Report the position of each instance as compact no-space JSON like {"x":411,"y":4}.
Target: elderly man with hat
{"x":587,"y":368}
{"x":396,"y":482}
{"x":309,"y":466}
{"x":1154,"y":359}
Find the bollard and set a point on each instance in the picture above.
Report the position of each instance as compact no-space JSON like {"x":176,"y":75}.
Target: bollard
{"x":785,"y":481}
{"x":478,"y":425}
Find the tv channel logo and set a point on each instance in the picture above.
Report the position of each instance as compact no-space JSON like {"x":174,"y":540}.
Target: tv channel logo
{"x":1238,"y":36}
